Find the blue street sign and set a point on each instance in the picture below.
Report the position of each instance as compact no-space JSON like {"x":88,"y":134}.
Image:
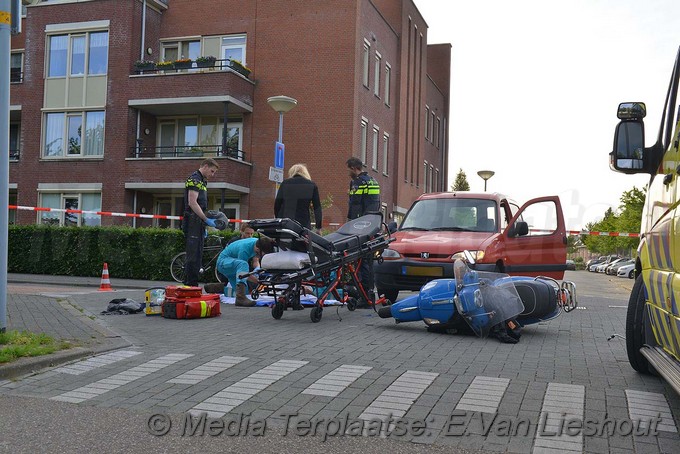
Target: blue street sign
{"x":279,"y":151}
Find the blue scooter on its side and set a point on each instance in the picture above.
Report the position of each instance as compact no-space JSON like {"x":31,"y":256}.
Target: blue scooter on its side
{"x":487,"y":303}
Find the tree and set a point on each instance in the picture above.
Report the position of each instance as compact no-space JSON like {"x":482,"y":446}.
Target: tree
{"x":627,"y":220}
{"x":461,"y":183}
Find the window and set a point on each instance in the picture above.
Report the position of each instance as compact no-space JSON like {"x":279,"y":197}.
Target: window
{"x":16,"y":67}
{"x":388,"y":76}
{"x":436,"y":132}
{"x":174,"y":50}
{"x":198,"y":134}
{"x":73,"y":51}
{"x":234,"y":48}
{"x":364,"y":139}
{"x":13,"y":141}
{"x":427,"y":123}
{"x":64,"y":134}
{"x":385,"y":150}
{"x":376,"y":74}
{"x":364,"y":72}
{"x":430,"y":179}
{"x":431,"y":128}
{"x":86,"y":201}
{"x":425,"y":167}
{"x":168,"y":206}
{"x":376,"y":132}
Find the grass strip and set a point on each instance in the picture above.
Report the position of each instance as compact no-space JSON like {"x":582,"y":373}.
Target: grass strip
{"x":15,"y":344}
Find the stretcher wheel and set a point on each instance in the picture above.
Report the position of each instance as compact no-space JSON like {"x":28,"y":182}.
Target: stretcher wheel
{"x":315,"y":315}
{"x":352,"y":304}
{"x":255,"y":294}
{"x":277,"y":310}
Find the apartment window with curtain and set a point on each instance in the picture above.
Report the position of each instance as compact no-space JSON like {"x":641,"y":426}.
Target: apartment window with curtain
{"x":364,"y":139}
{"x":86,"y":201}
{"x":175,"y":50}
{"x":376,"y":74}
{"x":388,"y":76}
{"x":366,"y":61}
{"x":78,"y":54}
{"x":73,"y":134}
{"x":385,"y":153}
{"x":376,"y":134}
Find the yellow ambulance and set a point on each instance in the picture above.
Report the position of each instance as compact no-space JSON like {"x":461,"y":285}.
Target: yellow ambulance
{"x":653,"y":318}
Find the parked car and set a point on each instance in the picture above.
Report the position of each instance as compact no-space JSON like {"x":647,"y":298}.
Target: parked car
{"x":440,"y":226}
{"x":614,"y":267}
{"x":599,"y":268}
{"x":627,"y":271}
{"x":595,"y":260}
{"x":571,"y":265}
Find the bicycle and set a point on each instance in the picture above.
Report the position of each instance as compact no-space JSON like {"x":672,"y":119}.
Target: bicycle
{"x":210,"y":253}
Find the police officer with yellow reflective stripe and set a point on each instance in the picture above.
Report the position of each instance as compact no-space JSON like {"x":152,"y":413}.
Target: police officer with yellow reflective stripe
{"x":195,"y":219}
{"x":364,"y":198}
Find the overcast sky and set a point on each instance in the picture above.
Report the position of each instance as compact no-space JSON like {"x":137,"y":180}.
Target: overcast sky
{"x":534,"y":89}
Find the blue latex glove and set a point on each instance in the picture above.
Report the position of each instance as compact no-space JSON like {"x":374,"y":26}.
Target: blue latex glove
{"x":210,"y":223}
{"x":256,"y":269}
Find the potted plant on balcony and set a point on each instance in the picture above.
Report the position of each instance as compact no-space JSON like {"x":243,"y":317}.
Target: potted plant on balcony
{"x":207,"y":61}
{"x":183,"y":63}
{"x":145,"y":65}
{"x":239,"y":67}
{"x":164,"y":65}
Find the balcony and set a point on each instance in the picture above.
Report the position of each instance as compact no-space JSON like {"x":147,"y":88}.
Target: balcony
{"x":193,"y":151}
{"x":191,"y":66}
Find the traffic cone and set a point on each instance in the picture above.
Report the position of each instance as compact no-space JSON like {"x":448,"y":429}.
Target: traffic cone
{"x":105,"y":286}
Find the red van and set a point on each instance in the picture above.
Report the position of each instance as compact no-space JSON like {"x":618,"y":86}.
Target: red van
{"x":524,"y":241}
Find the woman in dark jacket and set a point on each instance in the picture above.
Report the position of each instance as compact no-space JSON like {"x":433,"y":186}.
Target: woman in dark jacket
{"x":295,"y":195}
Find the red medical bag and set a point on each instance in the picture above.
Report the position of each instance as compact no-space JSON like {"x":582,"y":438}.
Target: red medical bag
{"x":202,"y":307}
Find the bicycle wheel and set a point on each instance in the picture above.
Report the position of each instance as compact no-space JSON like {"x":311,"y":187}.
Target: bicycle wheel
{"x":177,"y":266}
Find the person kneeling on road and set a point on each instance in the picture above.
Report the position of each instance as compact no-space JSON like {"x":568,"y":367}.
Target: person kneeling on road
{"x":233,"y":262}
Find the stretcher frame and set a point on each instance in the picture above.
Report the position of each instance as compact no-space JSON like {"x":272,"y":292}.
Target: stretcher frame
{"x":335,"y":260}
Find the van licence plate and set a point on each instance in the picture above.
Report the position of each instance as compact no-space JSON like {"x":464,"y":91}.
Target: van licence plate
{"x":433,"y":271}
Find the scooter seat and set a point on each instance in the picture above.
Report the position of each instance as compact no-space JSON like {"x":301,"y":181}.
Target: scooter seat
{"x":539,"y":298}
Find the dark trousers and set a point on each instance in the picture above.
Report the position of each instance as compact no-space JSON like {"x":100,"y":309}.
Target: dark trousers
{"x":193,"y":234}
{"x":366,"y":274}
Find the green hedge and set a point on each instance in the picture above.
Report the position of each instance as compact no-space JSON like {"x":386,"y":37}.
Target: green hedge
{"x":142,"y":253}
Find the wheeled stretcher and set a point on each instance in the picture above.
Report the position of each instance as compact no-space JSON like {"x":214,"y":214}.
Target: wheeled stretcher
{"x":328,"y":264}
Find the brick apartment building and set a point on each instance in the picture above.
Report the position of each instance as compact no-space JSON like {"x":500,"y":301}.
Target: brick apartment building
{"x":91,"y":130}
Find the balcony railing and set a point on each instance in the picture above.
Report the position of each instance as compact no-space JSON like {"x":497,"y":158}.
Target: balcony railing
{"x":194,"y":151}
{"x":13,"y":155}
{"x":191,"y":66}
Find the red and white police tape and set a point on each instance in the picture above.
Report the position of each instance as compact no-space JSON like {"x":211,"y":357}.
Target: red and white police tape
{"x":177,"y":218}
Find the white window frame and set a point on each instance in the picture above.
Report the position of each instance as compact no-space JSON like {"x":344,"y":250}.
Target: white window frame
{"x":386,"y":143}
{"x":427,"y":122}
{"x":437,"y":127}
{"x":224,"y":48}
{"x":70,"y":35}
{"x":376,"y":74}
{"x":21,"y":54}
{"x":65,"y":135}
{"x":388,"y":77}
{"x":60,"y":215}
{"x":364,"y":139}
{"x":366,"y":63}
{"x":425,"y":167}
{"x":376,"y":136}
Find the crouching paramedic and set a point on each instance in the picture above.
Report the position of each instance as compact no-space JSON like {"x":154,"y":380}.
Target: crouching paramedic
{"x":233,"y":262}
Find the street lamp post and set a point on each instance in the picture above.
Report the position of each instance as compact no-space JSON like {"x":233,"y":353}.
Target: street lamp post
{"x":281,"y":104}
{"x":485,"y":175}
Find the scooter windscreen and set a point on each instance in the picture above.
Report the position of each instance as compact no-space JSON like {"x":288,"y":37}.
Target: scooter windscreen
{"x":480,"y":302}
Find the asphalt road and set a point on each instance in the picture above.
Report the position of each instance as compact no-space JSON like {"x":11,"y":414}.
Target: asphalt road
{"x":568,"y":363}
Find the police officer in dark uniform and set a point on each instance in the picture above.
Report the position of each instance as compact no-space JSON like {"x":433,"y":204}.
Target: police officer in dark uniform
{"x":364,"y":198}
{"x":195,"y":219}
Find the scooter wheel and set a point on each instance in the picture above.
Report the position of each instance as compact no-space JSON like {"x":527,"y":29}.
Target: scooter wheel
{"x":315,"y":315}
{"x":352,"y":304}
{"x":385,"y":312}
{"x":277,"y":311}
